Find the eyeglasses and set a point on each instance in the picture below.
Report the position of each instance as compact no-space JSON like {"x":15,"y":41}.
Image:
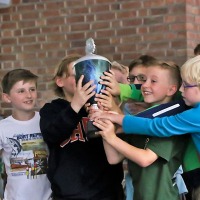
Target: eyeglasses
{"x":138,"y":77}
{"x":185,"y":85}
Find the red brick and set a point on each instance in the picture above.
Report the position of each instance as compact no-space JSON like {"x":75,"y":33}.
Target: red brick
{"x":100,"y":25}
{"x":6,"y":49}
{"x":105,"y":1}
{"x":105,"y":16}
{"x":131,"y":5}
{"x":24,"y":7}
{"x":75,"y":19}
{"x":132,"y":22}
{"x":80,"y":27}
{"x":153,"y":20}
{"x":159,"y":11}
{"x":8,"y":41}
{"x":130,"y":14}
{"x":26,"y":56}
{"x":126,"y":31}
{"x":98,"y":8}
{"x":31,"y":31}
{"x":50,"y":29}
{"x":74,"y":36}
{"x":48,"y":46}
{"x":54,"y":5}
{"x":8,"y":57}
{"x":79,"y":10}
{"x":90,"y":17}
{"x":8,"y":25}
{"x":105,"y":33}
{"x":26,"y":40}
{"x":32,"y":47}
{"x":7,"y":33}
{"x":6,"y":17}
{"x":55,"y":21}
{"x":49,"y":13}
{"x":30,"y":15}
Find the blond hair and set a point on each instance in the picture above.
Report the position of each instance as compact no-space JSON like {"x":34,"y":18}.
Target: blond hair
{"x":190,"y":70}
{"x":62,"y":69}
{"x":120,"y":67}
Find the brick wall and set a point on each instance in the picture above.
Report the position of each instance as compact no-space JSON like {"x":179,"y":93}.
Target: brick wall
{"x":36,"y":34}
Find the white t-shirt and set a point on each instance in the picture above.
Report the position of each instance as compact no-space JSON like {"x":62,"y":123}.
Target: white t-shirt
{"x":25,"y":155}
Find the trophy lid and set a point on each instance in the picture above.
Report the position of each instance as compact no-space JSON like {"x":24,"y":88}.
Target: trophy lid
{"x":90,"y":49}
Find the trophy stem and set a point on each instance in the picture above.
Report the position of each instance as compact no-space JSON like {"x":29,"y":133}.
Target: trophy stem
{"x":91,"y":129}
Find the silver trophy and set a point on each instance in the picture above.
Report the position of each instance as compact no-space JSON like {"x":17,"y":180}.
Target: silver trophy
{"x":92,"y":66}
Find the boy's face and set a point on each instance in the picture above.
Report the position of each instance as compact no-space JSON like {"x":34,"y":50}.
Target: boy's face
{"x":190,"y":93}
{"x":22,"y":96}
{"x":137,"y":70}
{"x":157,"y":89}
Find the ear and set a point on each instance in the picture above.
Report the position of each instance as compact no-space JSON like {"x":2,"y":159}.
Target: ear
{"x":6,"y":98}
{"x":59,"y":81}
{"x":172,"y":90}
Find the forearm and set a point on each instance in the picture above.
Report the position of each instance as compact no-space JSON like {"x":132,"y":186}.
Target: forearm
{"x":115,"y":118}
{"x":113,"y":156}
{"x":142,"y":157}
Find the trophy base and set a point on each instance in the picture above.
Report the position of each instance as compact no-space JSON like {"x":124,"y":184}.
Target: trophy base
{"x":91,"y":130}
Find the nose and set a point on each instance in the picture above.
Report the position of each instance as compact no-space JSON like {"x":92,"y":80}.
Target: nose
{"x":28,"y":94}
{"x":181,"y":89}
{"x":145,"y":83}
{"x":136,"y":81}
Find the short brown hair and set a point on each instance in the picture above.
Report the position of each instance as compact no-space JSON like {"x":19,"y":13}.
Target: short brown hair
{"x":14,"y":76}
{"x":144,"y":60}
{"x":62,"y":69}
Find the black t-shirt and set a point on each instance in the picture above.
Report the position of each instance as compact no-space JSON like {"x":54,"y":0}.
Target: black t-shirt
{"x":78,"y":168}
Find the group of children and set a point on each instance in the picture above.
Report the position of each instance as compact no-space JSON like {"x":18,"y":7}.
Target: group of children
{"x":47,"y":154}
{"x":158,"y":83}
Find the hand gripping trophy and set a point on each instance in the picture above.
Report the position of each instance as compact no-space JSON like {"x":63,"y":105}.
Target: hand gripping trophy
{"x":92,"y":66}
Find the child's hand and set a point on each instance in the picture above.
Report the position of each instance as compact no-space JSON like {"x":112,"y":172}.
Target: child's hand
{"x":95,"y":113}
{"x":110,"y":115}
{"x":82,"y":94}
{"x":106,"y":101}
{"x":107,"y":129}
{"x":111,"y":83}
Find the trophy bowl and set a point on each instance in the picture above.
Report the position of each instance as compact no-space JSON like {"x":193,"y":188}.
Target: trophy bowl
{"x":92,"y":67}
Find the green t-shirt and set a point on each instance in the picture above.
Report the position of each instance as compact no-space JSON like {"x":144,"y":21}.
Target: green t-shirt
{"x":130,"y":92}
{"x":191,"y":159}
{"x":156,"y":182}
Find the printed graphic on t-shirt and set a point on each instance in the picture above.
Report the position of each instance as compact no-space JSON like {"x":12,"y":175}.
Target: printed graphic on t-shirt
{"x":78,"y":133}
{"x":29,"y":155}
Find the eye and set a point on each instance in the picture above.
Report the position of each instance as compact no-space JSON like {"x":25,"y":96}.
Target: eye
{"x":141,"y":77}
{"x":32,"y":89}
{"x":20,"y":91}
{"x":153,"y":81}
